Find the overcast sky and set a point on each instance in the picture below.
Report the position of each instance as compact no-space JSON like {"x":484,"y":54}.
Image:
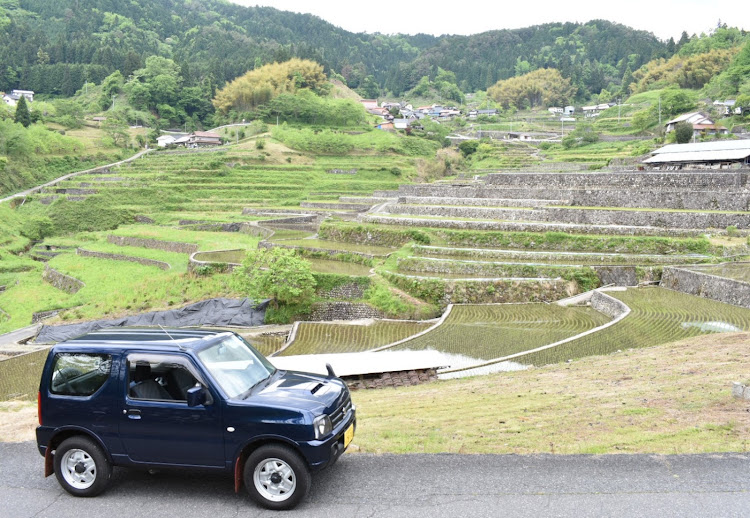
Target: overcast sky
{"x":664,"y":18}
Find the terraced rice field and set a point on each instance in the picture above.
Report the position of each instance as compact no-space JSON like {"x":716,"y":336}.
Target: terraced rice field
{"x":324,"y":338}
{"x":318,"y":265}
{"x":338,"y":246}
{"x":658,"y":316}
{"x":229,"y":180}
{"x":493,"y":331}
{"x":735,"y":271}
{"x":559,"y":258}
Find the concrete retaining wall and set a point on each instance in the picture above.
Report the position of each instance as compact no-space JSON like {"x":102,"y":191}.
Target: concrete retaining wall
{"x":118,"y":257}
{"x":708,"y":286}
{"x":61,"y":281}
{"x":167,"y":246}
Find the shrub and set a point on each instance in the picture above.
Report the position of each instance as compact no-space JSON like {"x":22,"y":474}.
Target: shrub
{"x":683,"y":132}
{"x":260,"y":144}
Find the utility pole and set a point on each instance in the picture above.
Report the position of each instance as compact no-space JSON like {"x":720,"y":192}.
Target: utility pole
{"x":618,"y":110}
{"x":660,"y":111}
{"x":114,"y":96}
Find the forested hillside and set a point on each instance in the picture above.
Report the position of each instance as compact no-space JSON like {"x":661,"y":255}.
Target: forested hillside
{"x":54,"y":46}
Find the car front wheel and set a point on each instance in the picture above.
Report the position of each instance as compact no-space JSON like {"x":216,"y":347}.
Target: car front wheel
{"x":276,"y":477}
{"x":81,"y":467}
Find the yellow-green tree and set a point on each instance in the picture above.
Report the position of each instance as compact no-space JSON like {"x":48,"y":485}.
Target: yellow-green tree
{"x":543,"y":87}
{"x":685,"y":71}
{"x":259,"y":86}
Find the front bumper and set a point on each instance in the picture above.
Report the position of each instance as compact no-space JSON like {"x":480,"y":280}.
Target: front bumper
{"x":321,"y":454}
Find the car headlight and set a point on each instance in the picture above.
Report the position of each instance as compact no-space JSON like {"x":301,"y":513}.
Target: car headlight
{"x":323,"y":426}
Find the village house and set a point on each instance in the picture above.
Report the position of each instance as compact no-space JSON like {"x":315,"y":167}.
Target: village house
{"x":14,"y":96}
{"x":702,"y":124}
{"x":203,"y":139}
{"x":729,"y":106}
{"x":595,"y":110}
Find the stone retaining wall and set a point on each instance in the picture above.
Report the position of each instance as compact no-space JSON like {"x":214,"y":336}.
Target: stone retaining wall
{"x":43,"y":315}
{"x":650,"y":218}
{"x":61,"y":281}
{"x":350,"y":290}
{"x":479,"y":202}
{"x":118,"y":257}
{"x":357,"y":207}
{"x":167,"y":246}
{"x":515,"y":226}
{"x":268,"y":244}
{"x":391,"y":379}
{"x":600,"y":197}
{"x":608,"y":305}
{"x":708,"y":286}
{"x":659,"y":180}
{"x":326,"y":311}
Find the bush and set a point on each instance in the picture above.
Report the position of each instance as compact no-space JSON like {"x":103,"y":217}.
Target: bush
{"x":683,"y":132}
{"x":37,"y":228}
{"x":260,"y":144}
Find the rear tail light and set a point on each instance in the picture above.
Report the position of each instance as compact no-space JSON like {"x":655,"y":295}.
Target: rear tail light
{"x":39,"y":407}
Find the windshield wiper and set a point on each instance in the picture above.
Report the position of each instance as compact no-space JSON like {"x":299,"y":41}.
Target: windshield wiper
{"x":249,"y":391}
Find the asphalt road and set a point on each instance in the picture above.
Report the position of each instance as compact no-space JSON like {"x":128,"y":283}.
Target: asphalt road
{"x":412,"y":486}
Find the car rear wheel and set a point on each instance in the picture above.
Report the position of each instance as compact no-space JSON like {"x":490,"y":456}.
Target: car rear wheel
{"x":276,"y":477}
{"x":81,"y":467}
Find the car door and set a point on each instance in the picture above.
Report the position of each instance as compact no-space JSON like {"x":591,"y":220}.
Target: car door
{"x":157,"y":426}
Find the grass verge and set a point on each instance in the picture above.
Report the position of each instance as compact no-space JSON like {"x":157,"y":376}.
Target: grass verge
{"x":673,"y":398}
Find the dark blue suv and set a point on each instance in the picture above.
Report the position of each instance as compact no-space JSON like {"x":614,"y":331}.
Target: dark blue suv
{"x":185,"y":398}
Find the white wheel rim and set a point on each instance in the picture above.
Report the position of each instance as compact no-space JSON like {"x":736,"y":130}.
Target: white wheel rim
{"x":275,"y":480}
{"x":78,"y":468}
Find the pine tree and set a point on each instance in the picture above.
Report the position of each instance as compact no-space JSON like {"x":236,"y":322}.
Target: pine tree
{"x":22,"y":113}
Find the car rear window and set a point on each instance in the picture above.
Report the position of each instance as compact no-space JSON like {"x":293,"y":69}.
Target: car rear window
{"x":79,"y":374}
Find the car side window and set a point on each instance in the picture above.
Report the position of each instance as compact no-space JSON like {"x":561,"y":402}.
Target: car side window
{"x":159,"y":377}
{"x":79,"y":374}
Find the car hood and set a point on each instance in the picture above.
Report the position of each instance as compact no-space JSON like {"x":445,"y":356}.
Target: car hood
{"x":300,"y":390}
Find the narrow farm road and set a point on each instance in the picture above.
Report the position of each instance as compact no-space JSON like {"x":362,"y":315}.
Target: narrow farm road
{"x":412,"y":485}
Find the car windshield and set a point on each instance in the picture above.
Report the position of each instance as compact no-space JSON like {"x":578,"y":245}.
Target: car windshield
{"x":235,"y":365}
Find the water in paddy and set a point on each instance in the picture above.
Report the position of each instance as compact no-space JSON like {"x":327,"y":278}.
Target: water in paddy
{"x":736,"y":271}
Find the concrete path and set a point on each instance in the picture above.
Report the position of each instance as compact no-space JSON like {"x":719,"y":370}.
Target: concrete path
{"x":33,"y":190}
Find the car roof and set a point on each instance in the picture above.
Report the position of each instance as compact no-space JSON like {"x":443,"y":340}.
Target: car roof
{"x":150,"y":337}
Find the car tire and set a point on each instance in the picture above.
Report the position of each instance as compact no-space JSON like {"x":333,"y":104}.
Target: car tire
{"x":81,"y":467}
{"x":276,"y":477}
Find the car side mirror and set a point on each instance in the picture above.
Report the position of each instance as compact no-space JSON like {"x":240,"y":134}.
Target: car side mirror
{"x":196,"y":396}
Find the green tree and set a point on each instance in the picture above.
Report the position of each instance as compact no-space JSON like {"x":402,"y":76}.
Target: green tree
{"x":116,"y":129}
{"x":683,"y":132}
{"x":468,"y":147}
{"x":277,"y":273}
{"x":22,"y":113}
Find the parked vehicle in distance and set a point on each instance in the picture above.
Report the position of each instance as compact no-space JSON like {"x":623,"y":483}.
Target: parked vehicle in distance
{"x":187,"y":398}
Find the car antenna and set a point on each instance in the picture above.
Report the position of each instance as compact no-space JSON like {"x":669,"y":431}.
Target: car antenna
{"x":171,"y":337}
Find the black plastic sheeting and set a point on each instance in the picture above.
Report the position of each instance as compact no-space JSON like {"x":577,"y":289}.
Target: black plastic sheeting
{"x":212,"y":312}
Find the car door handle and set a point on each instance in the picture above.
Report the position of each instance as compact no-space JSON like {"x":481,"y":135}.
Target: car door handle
{"x":133,"y":413}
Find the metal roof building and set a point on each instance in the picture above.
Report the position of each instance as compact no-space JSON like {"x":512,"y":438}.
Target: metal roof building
{"x":715,"y":155}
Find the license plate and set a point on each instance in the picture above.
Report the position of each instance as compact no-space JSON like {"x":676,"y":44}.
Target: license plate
{"x":348,"y":435}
